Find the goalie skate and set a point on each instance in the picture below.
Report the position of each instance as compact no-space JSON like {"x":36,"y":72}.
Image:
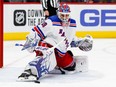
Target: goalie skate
{"x":27,"y":76}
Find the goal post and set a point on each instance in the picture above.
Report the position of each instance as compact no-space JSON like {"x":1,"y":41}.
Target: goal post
{"x":1,"y":33}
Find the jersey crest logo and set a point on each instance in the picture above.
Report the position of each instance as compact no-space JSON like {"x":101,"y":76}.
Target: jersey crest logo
{"x":44,"y":24}
{"x":61,"y":33}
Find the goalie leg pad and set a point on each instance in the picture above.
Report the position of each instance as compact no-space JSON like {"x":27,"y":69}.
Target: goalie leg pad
{"x":81,"y":63}
{"x":42,"y":65}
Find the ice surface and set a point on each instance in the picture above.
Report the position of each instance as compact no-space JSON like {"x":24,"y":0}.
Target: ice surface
{"x":102,"y":67}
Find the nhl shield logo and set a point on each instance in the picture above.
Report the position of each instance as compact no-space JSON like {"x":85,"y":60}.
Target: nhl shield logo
{"x":19,"y":17}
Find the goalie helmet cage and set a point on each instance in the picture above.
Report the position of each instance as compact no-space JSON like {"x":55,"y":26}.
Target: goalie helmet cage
{"x":1,"y":33}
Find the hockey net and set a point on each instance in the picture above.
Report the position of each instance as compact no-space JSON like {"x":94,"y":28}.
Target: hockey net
{"x":1,"y":33}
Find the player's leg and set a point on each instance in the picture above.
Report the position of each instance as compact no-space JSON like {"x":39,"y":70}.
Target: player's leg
{"x":76,"y":64}
{"x":40,"y":66}
{"x":80,"y":64}
{"x":65,"y":64}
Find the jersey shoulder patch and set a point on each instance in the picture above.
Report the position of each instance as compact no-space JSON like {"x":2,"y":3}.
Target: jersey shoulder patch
{"x":72,"y":23}
{"x":55,"y":20}
{"x":44,"y":24}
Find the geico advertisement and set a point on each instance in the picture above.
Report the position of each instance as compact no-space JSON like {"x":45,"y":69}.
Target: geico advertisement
{"x":88,"y":17}
{"x":95,"y":17}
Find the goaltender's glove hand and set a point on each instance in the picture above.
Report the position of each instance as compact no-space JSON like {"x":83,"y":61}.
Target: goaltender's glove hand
{"x":86,"y":43}
{"x":30,"y":44}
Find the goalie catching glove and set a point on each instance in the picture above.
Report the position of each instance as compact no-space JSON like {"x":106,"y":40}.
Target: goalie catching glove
{"x":31,"y":43}
{"x":84,"y":44}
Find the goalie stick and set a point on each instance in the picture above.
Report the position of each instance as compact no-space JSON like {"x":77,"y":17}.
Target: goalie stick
{"x":19,"y":44}
{"x":27,"y":46}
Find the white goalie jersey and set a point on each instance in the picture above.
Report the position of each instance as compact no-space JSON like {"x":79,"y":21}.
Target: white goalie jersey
{"x":52,"y":31}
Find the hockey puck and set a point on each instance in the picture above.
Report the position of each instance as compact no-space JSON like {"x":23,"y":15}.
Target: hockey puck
{"x":37,"y":81}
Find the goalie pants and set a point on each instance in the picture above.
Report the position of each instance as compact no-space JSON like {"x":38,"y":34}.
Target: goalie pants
{"x":66,"y":62}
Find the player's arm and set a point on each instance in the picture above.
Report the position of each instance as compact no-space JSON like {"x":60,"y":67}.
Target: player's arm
{"x":39,"y":32}
{"x":84,"y":44}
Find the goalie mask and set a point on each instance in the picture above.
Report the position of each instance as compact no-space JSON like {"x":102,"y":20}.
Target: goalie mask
{"x":64,"y":12}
